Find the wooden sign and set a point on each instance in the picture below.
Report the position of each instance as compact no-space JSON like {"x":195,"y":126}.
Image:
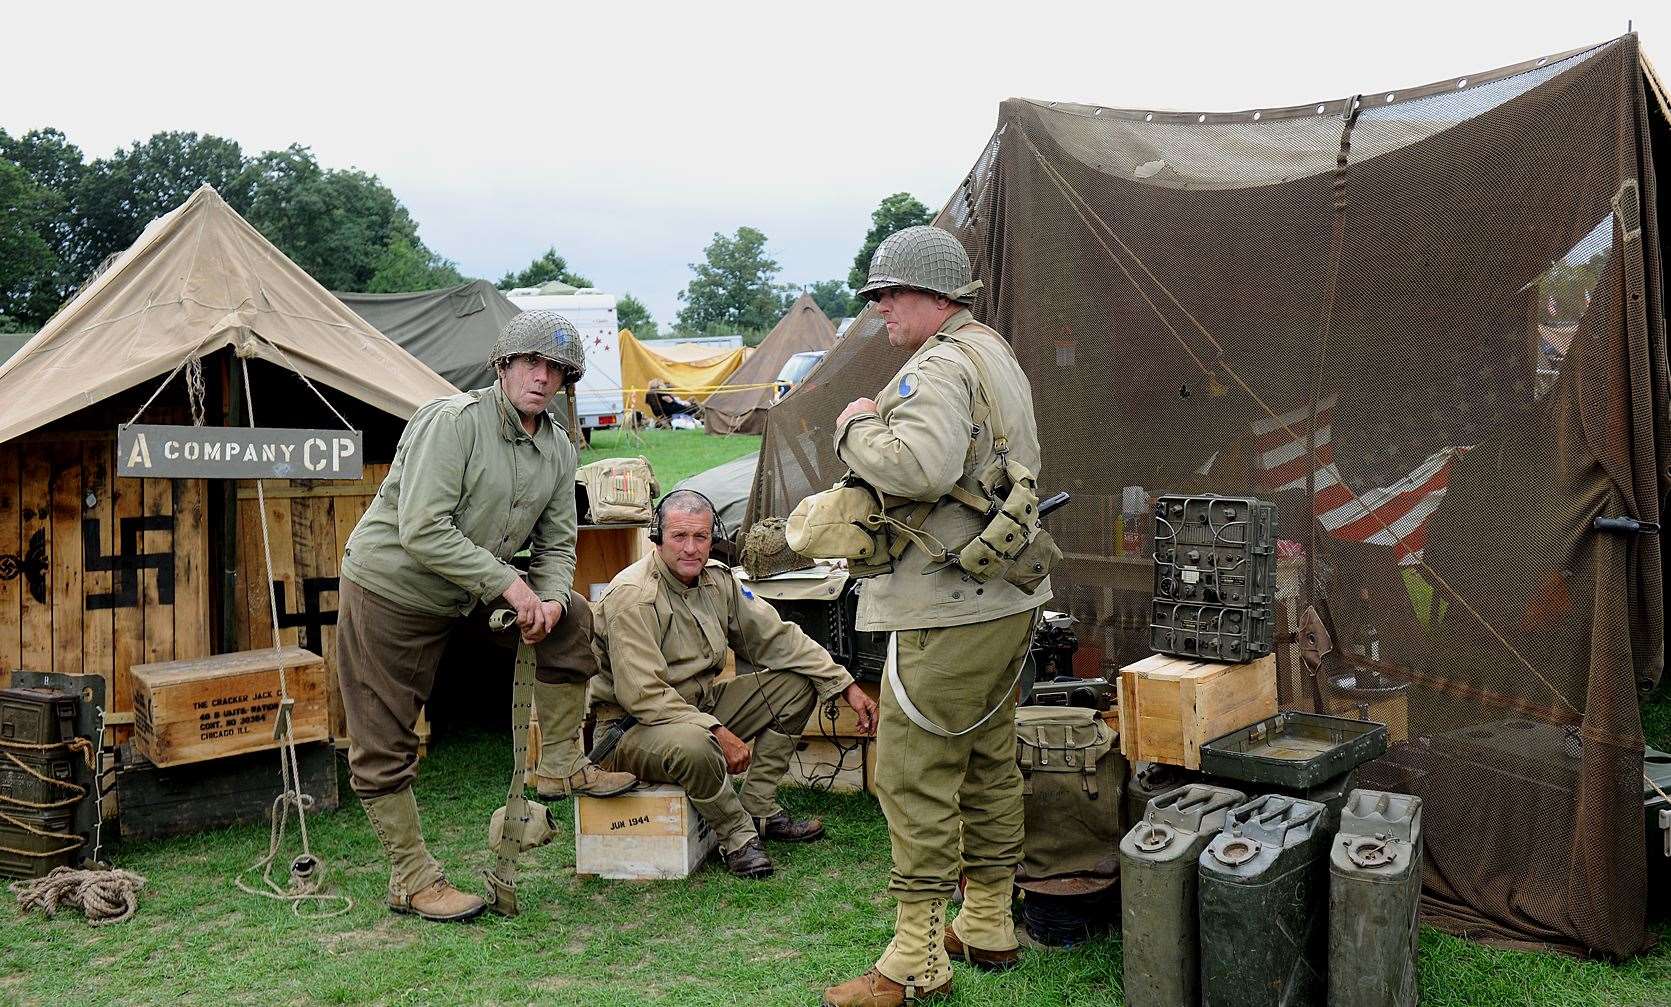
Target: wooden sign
{"x":158,"y":451}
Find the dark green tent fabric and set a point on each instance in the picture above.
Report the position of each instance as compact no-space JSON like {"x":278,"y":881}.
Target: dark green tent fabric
{"x":11,"y":342}
{"x":451,"y":329}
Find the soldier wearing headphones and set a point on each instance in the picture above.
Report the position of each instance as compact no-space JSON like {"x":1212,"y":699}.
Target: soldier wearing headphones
{"x":661,"y":633}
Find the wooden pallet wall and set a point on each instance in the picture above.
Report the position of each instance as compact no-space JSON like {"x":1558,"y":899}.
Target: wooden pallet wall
{"x":98,"y":573}
{"x":308,"y":523}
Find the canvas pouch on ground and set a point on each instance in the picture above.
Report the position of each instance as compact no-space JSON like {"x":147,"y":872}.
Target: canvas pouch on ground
{"x":617,"y":491}
{"x":1073,"y":776}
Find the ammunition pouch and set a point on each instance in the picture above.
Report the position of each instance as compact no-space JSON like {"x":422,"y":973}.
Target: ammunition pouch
{"x":846,"y":522}
{"x":1013,"y":543}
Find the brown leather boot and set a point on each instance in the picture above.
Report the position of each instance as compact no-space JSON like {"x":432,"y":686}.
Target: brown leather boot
{"x":749,"y":861}
{"x":789,"y":830}
{"x":873,"y":989}
{"x":986,"y":961}
{"x":589,"y":780}
{"x":441,"y":903}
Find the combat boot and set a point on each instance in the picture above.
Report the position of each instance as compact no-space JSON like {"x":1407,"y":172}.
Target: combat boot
{"x":416,"y":884}
{"x":914,"y":967}
{"x":789,"y":830}
{"x":563,"y":768}
{"x":984,"y":932}
{"x":749,"y":861}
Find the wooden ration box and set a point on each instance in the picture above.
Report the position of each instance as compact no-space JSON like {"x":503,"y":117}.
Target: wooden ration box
{"x":1170,"y":706}
{"x":210,"y":707}
{"x":842,"y":766}
{"x":652,"y":833}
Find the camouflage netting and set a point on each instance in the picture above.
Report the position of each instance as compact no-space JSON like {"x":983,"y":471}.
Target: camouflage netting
{"x":1428,"y":324}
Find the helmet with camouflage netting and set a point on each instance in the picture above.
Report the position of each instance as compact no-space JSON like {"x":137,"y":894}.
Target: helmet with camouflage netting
{"x":766,"y":551}
{"x":922,"y":258}
{"x":545,"y":334}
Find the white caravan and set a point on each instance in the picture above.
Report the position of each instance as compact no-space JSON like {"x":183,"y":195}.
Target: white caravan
{"x":599,"y":399}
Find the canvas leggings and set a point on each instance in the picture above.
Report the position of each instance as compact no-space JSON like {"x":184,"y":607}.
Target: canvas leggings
{"x":387,"y":659}
{"x":953,"y":805}
{"x":768,"y":709}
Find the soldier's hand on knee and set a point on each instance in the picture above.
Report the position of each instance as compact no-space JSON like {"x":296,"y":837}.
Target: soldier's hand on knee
{"x":551,"y":613}
{"x":733,"y":748}
{"x":530,"y":611}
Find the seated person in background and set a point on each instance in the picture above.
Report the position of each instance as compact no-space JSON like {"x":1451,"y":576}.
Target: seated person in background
{"x":664,"y":405}
{"x":661,"y":633}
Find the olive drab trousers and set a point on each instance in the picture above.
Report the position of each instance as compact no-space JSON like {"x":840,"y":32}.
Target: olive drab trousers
{"x":953,"y":805}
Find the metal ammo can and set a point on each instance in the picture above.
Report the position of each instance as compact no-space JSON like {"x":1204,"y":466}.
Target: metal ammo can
{"x":1375,"y":887}
{"x":1263,"y":884}
{"x":1157,"y":890}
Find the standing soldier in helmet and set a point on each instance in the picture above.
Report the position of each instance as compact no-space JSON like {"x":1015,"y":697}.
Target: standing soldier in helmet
{"x":475,"y":476}
{"x":945,"y":443}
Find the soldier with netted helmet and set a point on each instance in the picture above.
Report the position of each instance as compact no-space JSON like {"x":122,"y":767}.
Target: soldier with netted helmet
{"x":475,"y":477}
{"x":941,"y":436}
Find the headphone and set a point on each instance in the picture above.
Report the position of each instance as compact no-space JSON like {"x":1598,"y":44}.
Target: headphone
{"x":658,"y":517}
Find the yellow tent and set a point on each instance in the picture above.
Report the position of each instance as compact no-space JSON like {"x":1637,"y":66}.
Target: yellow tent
{"x":692,"y":371}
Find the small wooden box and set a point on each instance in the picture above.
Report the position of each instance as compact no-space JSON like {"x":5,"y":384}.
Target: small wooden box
{"x":847,"y":767}
{"x":1169,"y":706}
{"x":210,"y":707}
{"x":847,"y":720}
{"x":650,"y":834}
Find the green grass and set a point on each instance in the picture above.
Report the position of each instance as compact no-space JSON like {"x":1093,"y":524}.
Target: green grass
{"x":674,"y":454}
{"x":711,"y":940}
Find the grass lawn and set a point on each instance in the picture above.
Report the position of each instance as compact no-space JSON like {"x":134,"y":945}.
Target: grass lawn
{"x":674,"y":454}
{"x":711,"y":940}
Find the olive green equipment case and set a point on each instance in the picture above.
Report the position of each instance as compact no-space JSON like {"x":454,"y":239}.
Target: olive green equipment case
{"x":1158,"y":864}
{"x":1263,"y":894}
{"x":1375,"y":890}
{"x":1073,"y":777}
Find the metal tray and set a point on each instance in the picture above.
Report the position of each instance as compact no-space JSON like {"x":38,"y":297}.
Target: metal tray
{"x":1294,"y":749}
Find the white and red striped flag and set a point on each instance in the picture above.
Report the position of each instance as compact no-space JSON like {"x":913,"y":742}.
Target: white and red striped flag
{"x":1393,"y":515}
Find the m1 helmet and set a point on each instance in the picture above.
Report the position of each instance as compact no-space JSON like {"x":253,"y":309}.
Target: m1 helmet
{"x":924,"y":258}
{"x":543,"y":333}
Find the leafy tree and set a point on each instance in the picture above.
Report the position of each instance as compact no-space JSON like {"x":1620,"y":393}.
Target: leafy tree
{"x":897,"y":212}
{"x":405,"y":265}
{"x":115,"y":197}
{"x":835,"y":299}
{"x":631,"y":314}
{"x":29,"y":269}
{"x":544,"y":269}
{"x":339,"y":225}
{"x":734,"y":285}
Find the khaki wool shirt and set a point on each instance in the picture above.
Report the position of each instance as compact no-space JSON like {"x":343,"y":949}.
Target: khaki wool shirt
{"x":919,"y":443}
{"x":467,"y":488}
{"x":661,"y":644}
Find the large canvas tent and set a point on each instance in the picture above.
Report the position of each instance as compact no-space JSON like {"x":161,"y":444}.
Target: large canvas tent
{"x":740,"y":408}
{"x":1356,"y":308}
{"x":692,"y":371}
{"x":451,"y":329}
{"x":105,"y":572}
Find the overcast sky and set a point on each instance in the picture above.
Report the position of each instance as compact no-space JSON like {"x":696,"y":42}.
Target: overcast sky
{"x":626,"y":137}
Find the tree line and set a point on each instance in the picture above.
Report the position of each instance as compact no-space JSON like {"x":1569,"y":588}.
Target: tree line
{"x":62,"y":216}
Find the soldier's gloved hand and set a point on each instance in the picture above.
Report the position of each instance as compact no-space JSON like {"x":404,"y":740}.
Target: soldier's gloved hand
{"x":862,"y":705}
{"x":856,"y":407}
{"x":732,"y":747}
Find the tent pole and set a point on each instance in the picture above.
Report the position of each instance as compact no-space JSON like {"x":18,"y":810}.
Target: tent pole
{"x":233,"y":382}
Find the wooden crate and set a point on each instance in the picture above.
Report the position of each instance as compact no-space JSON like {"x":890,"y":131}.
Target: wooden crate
{"x":653,"y":833}
{"x":820,"y":764}
{"x":208,"y":795}
{"x":1169,"y":706}
{"x":846,"y":722}
{"x":210,"y":707}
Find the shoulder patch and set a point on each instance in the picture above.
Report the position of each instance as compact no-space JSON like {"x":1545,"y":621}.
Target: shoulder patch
{"x":907,"y":384}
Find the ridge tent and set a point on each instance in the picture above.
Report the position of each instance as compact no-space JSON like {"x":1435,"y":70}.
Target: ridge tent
{"x":743,"y":410}
{"x":114,"y":571}
{"x":451,"y":329}
{"x":692,"y":371}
